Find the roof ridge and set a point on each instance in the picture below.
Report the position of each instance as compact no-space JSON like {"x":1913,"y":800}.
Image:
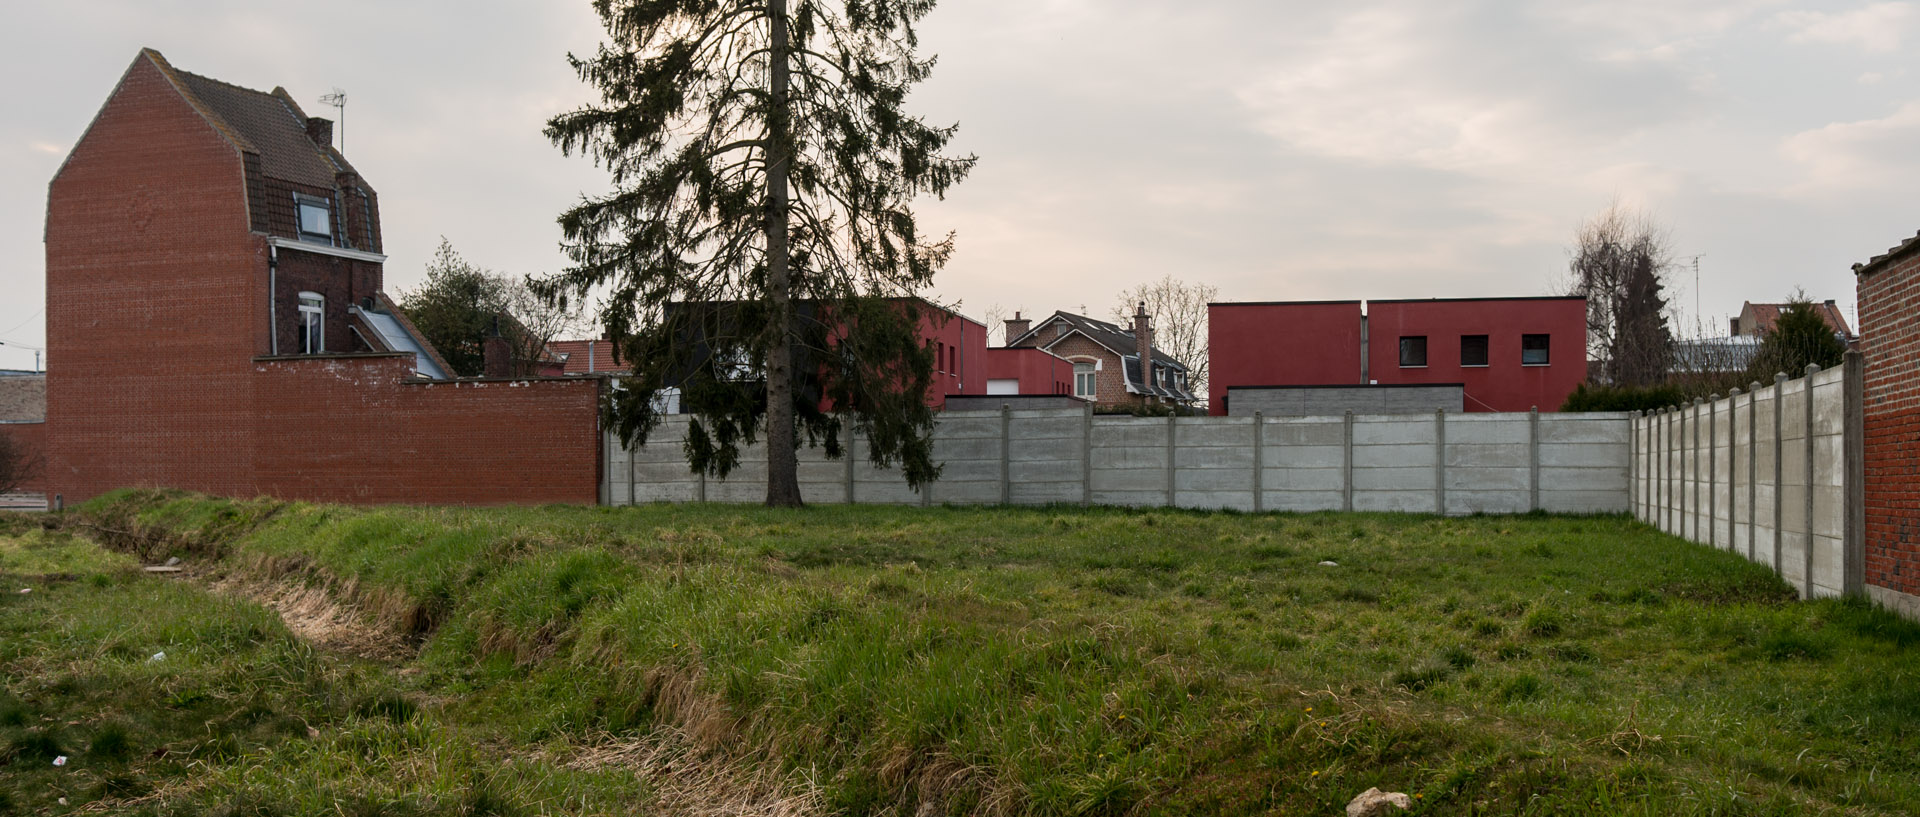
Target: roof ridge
{"x":193,"y":100}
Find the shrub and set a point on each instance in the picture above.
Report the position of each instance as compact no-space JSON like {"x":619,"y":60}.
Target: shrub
{"x":1592,"y":397}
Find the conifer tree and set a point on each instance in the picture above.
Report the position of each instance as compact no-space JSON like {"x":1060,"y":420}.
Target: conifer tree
{"x":1800,"y":336}
{"x":759,"y":251}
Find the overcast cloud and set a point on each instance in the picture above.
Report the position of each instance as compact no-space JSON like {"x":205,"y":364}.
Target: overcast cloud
{"x":1277,"y":150}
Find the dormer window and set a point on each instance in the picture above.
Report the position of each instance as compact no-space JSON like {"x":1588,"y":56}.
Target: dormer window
{"x":316,"y":218}
{"x":313,"y":323}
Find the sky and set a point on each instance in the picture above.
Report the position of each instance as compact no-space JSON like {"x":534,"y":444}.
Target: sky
{"x":1276,"y":150}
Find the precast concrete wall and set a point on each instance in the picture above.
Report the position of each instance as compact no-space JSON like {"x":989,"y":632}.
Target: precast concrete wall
{"x":1432,"y":463}
{"x":1772,"y":473}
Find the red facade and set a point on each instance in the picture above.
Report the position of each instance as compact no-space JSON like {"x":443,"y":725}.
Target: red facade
{"x":1029,"y":371}
{"x":959,"y":346}
{"x":1321,"y":343}
{"x":168,"y":312}
{"x":1508,"y":380}
{"x":1304,"y":343}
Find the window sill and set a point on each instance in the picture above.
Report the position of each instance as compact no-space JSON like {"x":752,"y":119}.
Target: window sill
{"x":1476,"y":366}
{"x":1405,"y":366}
{"x":1536,"y":365}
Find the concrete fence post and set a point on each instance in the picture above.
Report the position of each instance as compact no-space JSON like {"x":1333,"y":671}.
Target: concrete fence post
{"x":1346,"y":466}
{"x":633,"y":473}
{"x":1086,"y":454}
{"x":852,"y":456}
{"x":1533,"y":459}
{"x":1854,"y":443}
{"x":1733,"y":468}
{"x":1633,"y":464}
{"x":1259,"y":461}
{"x":1806,"y":552}
{"x":1713,"y":471}
{"x":1670,"y":473}
{"x":1006,"y":454}
{"x":1173,"y":489}
{"x":1440,"y":462}
{"x":1779,"y":469}
{"x":1753,"y":470}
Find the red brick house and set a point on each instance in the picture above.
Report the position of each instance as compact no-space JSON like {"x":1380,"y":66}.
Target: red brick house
{"x":1889,"y":288}
{"x":1112,"y":367}
{"x":1756,"y":320}
{"x":214,"y":297}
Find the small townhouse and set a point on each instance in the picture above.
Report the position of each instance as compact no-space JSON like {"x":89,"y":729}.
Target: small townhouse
{"x":1112,"y":367}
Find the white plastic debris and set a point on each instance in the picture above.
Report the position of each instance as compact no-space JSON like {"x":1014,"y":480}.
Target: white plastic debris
{"x":173,"y":560}
{"x":60,"y":761}
{"x":159,"y":656}
{"x":1329,"y":563}
{"x":25,"y":590}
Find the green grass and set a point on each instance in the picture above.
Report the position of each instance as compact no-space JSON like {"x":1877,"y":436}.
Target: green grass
{"x":1048,"y":661}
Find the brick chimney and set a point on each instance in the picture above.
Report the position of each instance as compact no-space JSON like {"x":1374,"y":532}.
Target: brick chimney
{"x":1016,"y":326}
{"x":320,"y":130}
{"x":1143,"y":342}
{"x":496,"y":354}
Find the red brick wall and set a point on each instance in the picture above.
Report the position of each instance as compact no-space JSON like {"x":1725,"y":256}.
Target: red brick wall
{"x":1890,"y":340}
{"x":1038,"y":371}
{"x":1309,"y":343}
{"x":30,"y":438}
{"x":348,"y":430}
{"x":1110,"y":382}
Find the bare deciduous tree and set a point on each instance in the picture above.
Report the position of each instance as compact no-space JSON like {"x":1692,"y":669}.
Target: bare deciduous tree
{"x":18,"y":464}
{"x":1179,"y":312}
{"x":1619,"y":262}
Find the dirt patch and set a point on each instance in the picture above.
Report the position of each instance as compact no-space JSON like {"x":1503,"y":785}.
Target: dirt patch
{"x":315,"y":616}
{"x":689,"y":782}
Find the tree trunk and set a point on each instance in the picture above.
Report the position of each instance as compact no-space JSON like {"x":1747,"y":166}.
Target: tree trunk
{"x":783,"y":464}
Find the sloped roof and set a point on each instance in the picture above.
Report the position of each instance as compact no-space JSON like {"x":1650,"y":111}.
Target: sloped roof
{"x":23,"y":399}
{"x":1120,"y":341}
{"x":269,"y":124}
{"x":1765,"y":315}
{"x":1875,"y":263}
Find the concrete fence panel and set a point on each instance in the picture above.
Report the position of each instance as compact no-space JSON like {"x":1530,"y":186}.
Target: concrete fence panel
{"x":1427,"y":463}
{"x":1769,"y":472}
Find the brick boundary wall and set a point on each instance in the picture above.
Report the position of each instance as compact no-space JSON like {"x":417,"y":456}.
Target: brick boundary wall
{"x":1890,"y":339}
{"x":357,"y":430}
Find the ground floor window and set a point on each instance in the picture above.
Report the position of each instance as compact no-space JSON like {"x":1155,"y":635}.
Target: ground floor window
{"x":1083,"y":385}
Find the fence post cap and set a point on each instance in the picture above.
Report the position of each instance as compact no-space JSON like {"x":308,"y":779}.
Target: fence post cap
{"x":1699,"y":401}
{"x":1813,"y":368}
{"x":1713,"y":398}
{"x":1733,"y":392}
{"x":1779,"y":377}
{"x":1755,"y":386}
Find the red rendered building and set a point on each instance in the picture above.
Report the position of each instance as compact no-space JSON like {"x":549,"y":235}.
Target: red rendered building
{"x":1508,"y":354}
{"x":1028,"y":371}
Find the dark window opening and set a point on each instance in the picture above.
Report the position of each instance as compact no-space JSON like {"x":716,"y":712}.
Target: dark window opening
{"x":1473,"y":350}
{"x":1535,"y":350}
{"x":1413,"y":351}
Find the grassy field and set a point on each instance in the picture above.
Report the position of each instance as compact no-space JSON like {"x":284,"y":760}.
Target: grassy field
{"x":939,"y":661}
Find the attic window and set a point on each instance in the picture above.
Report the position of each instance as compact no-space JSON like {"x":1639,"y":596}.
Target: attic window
{"x":316,"y":218}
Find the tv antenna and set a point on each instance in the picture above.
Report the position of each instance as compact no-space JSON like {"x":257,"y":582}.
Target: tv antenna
{"x":37,"y":351}
{"x":1695,"y":259}
{"x":338,"y":99}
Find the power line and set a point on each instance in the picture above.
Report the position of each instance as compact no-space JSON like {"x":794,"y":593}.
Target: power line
{"x":42,"y":311}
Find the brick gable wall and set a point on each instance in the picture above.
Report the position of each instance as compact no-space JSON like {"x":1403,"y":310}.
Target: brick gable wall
{"x":1890,"y":340}
{"x":154,"y":307}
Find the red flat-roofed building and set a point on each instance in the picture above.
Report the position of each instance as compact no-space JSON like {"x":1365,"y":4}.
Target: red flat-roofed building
{"x":1503,"y":354}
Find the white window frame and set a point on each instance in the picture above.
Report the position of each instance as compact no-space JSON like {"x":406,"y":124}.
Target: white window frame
{"x":313,"y":323}
{"x":1092,"y":379}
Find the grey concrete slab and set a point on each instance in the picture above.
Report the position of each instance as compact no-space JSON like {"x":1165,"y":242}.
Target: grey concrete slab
{"x":1130,"y":457}
{"x":1394,"y":456}
{"x":1304,"y":432}
{"x":1303,"y":479}
{"x":1394,"y":501}
{"x":1393,"y":431}
{"x":1394,"y":479}
{"x":1486,"y":455}
{"x":1303,"y":456}
{"x":1214,"y":457}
